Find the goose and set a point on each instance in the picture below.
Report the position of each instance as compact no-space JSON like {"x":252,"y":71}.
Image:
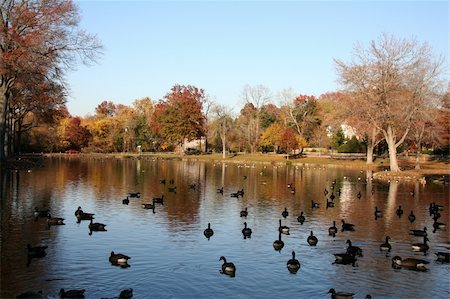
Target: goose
{"x":421,"y":247}
{"x":345,"y":258}
{"x":126,"y":293}
{"x":330,"y":204}
{"x":173,"y":189}
{"x":240,"y":192}
{"x":438,"y":225}
{"x":246,"y":231}
{"x":418,"y":232}
{"x":125,"y":201}
{"x":96,"y":226}
{"x":289,"y":185}
{"x":283,"y":228}
{"x":443,"y":257}
{"x":285,"y":213}
{"x":78,"y":211}
{"x":359,"y":195}
{"x":159,"y":199}
{"x":325,"y":191}
{"x":118,"y":258}
{"x":244,"y":213}
{"x":332,"y":230}
{"x":220,"y":190}
{"x":193,"y":186}
{"x":314,"y":205}
{"x":409,"y":263}
{"x":163,"y":181}
{"x":54,"y":220}
{"x":36,"y":251}
{"x":71,"y":293}
{"x":278,"y":244}
{"x":347,"y":226}
{"x":83,"y":216}
{"x":340,"y":295}
{"x":292,"y":190}
{"x":134,"y":194}
{"x":41,"y":213}
{"x":386,"y":246}
{"x":293,"y":264}
{"x":301,"y":218}
{"x":399,"y":211}
{"x":208,"y":232}
{"x":411,"y":217}
{"x":378,"y":213}
{"x":312,"y":240}
{"x":228,"y":268}
{"x":332,"y":197}
{"x":353,"y":249}
{"x":150,"y":206}
{"x":234,"y":194}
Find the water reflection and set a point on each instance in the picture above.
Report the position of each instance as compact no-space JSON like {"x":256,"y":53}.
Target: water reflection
{"x":171,"y":248}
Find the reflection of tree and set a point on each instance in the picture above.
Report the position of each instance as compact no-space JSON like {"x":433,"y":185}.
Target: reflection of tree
{"x":391,"y":200}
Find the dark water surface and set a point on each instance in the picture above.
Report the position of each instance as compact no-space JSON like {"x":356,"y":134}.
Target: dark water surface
{"x":170,"y":256}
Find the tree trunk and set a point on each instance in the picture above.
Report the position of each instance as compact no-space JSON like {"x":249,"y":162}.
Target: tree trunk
{"x":3,"y":117}
{"x":370,"y":148}
{"x":417,"y":158}
{"x":392,"y":148}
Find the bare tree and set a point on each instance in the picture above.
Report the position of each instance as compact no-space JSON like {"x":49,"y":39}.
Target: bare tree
{"x":223,"y":124}
{"x":391,"y":81}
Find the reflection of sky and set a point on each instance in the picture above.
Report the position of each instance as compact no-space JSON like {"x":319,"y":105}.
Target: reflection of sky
{"x":169,"y":250}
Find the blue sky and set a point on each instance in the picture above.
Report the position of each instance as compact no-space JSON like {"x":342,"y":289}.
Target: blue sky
{"x":221,"y":46}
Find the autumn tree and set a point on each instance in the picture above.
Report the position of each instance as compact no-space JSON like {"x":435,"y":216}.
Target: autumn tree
{"x":143,"y":109}
{"x":390,"y":82}
{"x":179,"y":118}
{"x":40,"y":38}
{"x":222,"y":124}
{"x":72,"y":135}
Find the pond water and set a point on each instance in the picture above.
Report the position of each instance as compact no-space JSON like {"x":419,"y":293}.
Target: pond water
{"x":171,"y":257}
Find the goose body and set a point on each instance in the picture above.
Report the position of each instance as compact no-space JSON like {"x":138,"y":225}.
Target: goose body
{"x":293,"y":264}
{"x":246,"y":231}
{"x":386,"y":246}
{"x":228,"y":268}
{"x":36,"y":251}
{"x":314,"y":205}
{"x":347,"y":226}
{"x":85,"y":216}
{"x":220,"y":190}
{"x":330,"y":204}
{"x":353,"y":249}
{"x":359,"y":195}
{"x":71,"y":293}
{"x":418,"y":232}
{"x":345,"y":258}
{"x":96,"y":226}
{"x":55,"y":220}
{"x":312,"y":240}
{"x":378,"y":213}
{"x":118,"y":258}
{"x":410,"y":263}
{"x":208,"y":232}
{"x":126,"y":293}
{"x":285,"y":213}
{"x":443,"y":257}
{"x":158,"y":199}
{"x":340,"y":295}
{"x":244,"y":213}
{"x":134,"y":194}
{"x":278,"y":244}
{"x":148,"y":206}
{"x":332,"y":230}
{"x":399,"y":211}
{"x":126,"y":201}
{"x":283,"y":228}
{"x":411,"y":217}
{"x":421,"y":247}
{"x":301,"y":218}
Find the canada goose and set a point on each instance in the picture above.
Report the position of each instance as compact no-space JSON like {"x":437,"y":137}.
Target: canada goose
{"x":240,"y":192}
{"x":78,"y":211}
{"x":421,"y":247}
{"x":234,"y":194}
{"x":293,"y":264}
{"x":158,"y":199}
{"x":289,"y":185}
{"x":443,"y":257}
{"x":125,"y":201}
{"x":278,"y":244}
{"x":345,"y":258}
{"x":332,"y":230}
{"x":312,"y":240}
{"x":411,"y":217}
{"x":301,"y":218}
{"x":325,"y":191}
{"x":246,"y":231}
{"x":41,"y":213}
{"x":283,"y":228}
{"x":134,"y":194}
{"x":285,"y":213}
{"x":96,"y":226}
{"x":359,"y":195}
{"x":330,"y":204}
{"x":418,"y":232}
{"x":118,"y":258}
{"x":386,"y":246}
{"x":314,"y":205}
{"x":220,"y":190}
{"x":82,"y":215}
{"x":347,"y":226}
{"x":149,"y":206}
{"x":332,"y":197}
{"x":208,"y":232}
{"x":244,"y":213}
{"x":193,"y":186}
{"x":399,"y":211}
{"x":54,"y":220}
{"x":378,"y":213}
{"x":126,"y":293}
{"x":163,"y":181}
{"x":438,"y":225}
{"x":36,"y":251}
{"x":353,"y":249}
{"x":173,"y":189}
{"x":71,"y":293}
{"x":227,"y":268}
{"x":409,"y":263}
{"x":340,"y":295}
{"x":292,"y":190}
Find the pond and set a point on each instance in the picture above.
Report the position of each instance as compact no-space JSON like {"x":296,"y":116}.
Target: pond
{"x":172,"y":258}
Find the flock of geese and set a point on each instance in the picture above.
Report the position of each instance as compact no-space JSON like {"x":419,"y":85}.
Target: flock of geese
{"x":293,"y":265}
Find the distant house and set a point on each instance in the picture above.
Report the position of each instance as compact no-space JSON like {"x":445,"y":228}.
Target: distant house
{"x":198,"y":144}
